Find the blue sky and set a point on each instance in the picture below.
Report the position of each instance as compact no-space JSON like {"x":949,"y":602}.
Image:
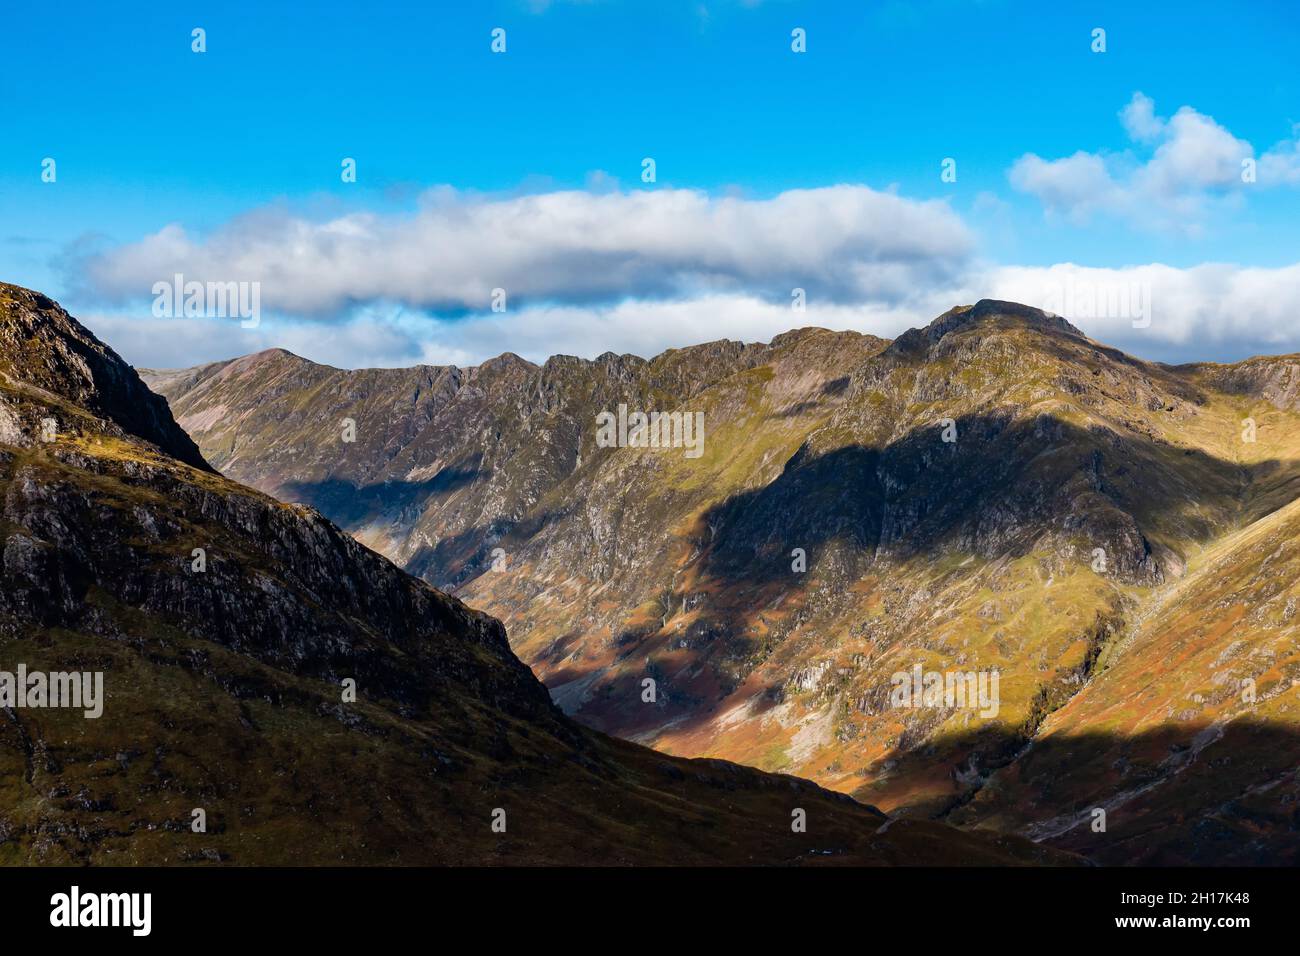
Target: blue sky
{"x":245,"y":140}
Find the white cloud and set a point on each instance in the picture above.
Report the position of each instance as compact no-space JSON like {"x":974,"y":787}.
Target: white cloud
{"x":1140,"y":120}
{"x":1076,"y":186}
{"x":847,"y":243}
{"x":1213,"y":311}
{"x":642,"y":271}
{"x":1194,"y":168}
{"x":1281,"y":164}
{"x":403,"y":338}
{"x":148,"y":342}
{"x":1195,"y":153}
{"x":648,"y":328}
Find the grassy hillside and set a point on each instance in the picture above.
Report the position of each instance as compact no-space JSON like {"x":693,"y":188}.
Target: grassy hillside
{"x":993,"y":493}
{"x":225,"y":685}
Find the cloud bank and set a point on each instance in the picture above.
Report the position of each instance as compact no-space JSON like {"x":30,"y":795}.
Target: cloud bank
{"x":584,"y":272}
{"x":1205,"y":312}
{"x":845,"y":243}
{"x":1194,"y":166}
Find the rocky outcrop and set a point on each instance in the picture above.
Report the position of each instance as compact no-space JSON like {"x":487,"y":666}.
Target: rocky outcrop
{"x":1273,"y":379}
{"x":973,"y":498}
{"x":277,"y":693}
{"x":45,"y":351}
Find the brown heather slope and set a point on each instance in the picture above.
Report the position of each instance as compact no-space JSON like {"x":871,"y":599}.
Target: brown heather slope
{"x":223,"y":687}
{"x":1195,"y":707}
{"x":973,"y":555}
{"x":445,"y":459}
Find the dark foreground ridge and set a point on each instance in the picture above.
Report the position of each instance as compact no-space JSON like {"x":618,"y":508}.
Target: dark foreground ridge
{"x":229,"y":630}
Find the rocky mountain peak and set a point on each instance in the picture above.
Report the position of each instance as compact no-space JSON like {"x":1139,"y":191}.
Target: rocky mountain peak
{"x":506,"y":361}
{"x":320,"y":705}
{"x":991,"y":312}
{"x":806,"y":333}
{"x":46,"y":354}
{"x":993,"y":491}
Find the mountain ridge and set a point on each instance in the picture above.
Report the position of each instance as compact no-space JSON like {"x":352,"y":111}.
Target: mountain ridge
{"x":227,"y":625}
{"x":950,"y":491}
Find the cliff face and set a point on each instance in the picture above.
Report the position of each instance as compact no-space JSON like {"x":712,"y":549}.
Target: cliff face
{"x":314,"y":702}
{"x":994,"y":493}
{"x":57,"y":359}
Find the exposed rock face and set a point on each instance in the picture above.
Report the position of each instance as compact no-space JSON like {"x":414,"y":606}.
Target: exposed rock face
{"x":992,"y":493}
{"x":48,"y":350}
{"x":228,"y":628}
{"x":1275,"y":380}
{"x":921,"y":341}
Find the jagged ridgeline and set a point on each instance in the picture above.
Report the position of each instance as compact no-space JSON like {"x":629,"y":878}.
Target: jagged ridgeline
{"x":994,"y":493}
{"x":272,"y":691}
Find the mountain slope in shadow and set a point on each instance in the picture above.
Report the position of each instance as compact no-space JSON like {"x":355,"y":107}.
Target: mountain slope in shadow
{"x":1186,"y":735}
{"x":992,"y":493}
{"x":230,"y":631}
